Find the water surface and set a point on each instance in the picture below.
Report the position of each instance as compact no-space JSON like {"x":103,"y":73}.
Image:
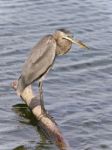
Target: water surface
{"x":78,"y":90}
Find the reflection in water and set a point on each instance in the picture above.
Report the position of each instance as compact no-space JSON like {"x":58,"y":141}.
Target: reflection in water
{"x":22,"y":147}
{"x":26,"y":117}
{"x":40,"y":146}
{"x":24,"y":112}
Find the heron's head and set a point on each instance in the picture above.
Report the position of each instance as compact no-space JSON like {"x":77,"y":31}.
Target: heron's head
{"x":64,"y":39}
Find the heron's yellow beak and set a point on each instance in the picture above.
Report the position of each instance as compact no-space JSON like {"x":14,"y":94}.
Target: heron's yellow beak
{"x":78,"y":42}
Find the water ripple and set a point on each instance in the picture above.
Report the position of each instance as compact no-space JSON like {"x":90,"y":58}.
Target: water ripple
{"x":78,"y":89}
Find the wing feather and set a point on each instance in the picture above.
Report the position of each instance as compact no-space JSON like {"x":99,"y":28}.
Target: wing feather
{"x":40,"y":59}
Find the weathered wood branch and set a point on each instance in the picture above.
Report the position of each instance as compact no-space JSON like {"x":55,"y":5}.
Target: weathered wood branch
{"x":45,"y":121}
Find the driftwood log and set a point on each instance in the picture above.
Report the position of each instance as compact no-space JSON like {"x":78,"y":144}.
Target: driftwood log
{"x":45,"y":121}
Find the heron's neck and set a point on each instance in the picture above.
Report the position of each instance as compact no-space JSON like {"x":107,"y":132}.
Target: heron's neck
{"x":59,"y":50}
{"x":63,"y":48}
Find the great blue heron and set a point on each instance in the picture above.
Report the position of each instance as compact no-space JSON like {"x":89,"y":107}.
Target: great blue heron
{"x":42,"y":58}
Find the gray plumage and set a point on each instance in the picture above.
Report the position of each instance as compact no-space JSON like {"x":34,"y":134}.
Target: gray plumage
{"x":38,"y":63}
{"x":43,"y":55}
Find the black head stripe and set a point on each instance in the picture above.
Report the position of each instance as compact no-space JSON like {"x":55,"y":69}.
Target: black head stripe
{"x":64,"y":30}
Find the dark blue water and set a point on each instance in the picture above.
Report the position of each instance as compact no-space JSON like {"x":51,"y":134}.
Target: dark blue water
{"x":78,"y":90}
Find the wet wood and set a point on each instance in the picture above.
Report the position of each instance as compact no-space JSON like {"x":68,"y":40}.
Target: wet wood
{"x":45,"y":122}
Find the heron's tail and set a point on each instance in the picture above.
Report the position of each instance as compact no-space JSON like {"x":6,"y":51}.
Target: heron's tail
{"x":21,"y":85}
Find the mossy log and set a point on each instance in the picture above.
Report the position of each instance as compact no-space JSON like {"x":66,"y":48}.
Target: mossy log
{"x":45,"y":122}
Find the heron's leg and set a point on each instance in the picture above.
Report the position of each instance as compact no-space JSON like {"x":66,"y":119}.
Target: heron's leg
{"x":41,"y":95}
